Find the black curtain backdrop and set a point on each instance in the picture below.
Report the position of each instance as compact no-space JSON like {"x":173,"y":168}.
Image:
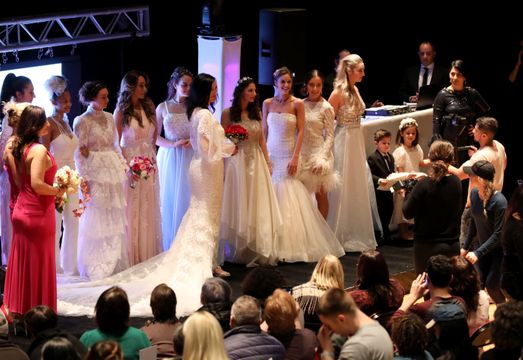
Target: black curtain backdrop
{"x":486,"y":37}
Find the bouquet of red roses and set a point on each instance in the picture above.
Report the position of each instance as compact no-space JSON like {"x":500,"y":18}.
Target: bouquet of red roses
{"x":236,"y":133}
{"x":141,"y":167}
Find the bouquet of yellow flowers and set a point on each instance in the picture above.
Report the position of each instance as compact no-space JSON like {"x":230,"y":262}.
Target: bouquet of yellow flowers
{"x":68,"y":179}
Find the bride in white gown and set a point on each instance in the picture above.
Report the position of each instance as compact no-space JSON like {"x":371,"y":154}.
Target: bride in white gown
{"x":189,"y":261}
{"x":306,"y":235}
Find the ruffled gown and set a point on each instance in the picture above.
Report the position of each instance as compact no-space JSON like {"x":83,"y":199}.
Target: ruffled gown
{"x":102,"y":234}
{"x":144,"y":233}
{"x":350,"y":215}
{"x":316,"y":150}
{"x":173,"y":168}
{"x":189,"y":261}
{"x":63,"y":147}
{"x":251,"y":221}
{"x":306,"y":235}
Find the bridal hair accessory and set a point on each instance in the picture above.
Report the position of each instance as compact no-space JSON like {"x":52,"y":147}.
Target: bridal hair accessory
{"x":407,"y":122}
{"x":55,"y":86}
{"x":245,"y":79}
{"x":12,"y":108}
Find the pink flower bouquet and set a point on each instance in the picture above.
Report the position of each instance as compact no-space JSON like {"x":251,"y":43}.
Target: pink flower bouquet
{"x":141,"y":168}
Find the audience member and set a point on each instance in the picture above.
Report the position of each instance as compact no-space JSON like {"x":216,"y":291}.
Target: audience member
{"x":507,"y":332}
{"x":280,"y":312}
{"x":512,"y":241}
{"x":178,"y":340}
{"x":261,"y":282}
{"x":203,"y":338}
{"x":327,"y":274}
{"x":465,"y":283}
{"x":427,"y":73}
{"x":160,"y":331}
{"x":452,"y":334}
{"x":105,"y":350}
{"x":216,"y":300}
{"x":437,"y":281}
{"x":42,"y":325}
{"x":8,"y":350}
{"x":375,"y":291}
{"x":245,"y":340}
{"x":410,"y":338}
{"x":59,"y":348}
{"x":112,"y":317}
{"x":487,"y":208}
{"x":436,"y":227}
{"x":339,"y":314}
{"x":381,"y":164}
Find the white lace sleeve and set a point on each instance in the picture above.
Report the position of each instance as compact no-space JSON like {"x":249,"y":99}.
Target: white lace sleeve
{"x":212,"y":143}
{"x":81,"y":129}
{"x":328,"y":114}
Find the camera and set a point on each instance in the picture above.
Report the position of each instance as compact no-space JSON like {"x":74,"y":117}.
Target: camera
{"x":407,"y":185}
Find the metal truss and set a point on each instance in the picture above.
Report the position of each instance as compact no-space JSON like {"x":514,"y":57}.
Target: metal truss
{"x":73,"y":28}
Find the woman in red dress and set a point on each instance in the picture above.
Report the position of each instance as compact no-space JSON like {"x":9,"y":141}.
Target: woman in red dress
{"x":31,"y":274}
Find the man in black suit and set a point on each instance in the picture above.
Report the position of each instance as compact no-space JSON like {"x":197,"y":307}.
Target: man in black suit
{"x":381,"y":164}
{"x":427,"y":73}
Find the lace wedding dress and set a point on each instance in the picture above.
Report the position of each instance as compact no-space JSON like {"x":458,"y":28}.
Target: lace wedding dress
{"x":6,"y":228}
{"x":188,"y":263}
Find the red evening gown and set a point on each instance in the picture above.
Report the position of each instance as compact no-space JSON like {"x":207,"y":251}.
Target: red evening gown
{"x":31,"y":273}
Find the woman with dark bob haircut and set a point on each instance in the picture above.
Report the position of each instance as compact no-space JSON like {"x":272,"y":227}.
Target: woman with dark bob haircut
{"x":112,"y":317}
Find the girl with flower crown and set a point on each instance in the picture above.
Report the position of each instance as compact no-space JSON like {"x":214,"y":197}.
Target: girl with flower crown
{"x":408,"y":157}
{"x":251,"y":221}
{"x":135,"y":120}
{"x":62,"y":143}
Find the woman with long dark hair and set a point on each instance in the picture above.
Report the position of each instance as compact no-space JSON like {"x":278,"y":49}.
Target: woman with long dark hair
{"x":251,"y":221}
{"x":136,"y":125}
{"x":31,"y":274}
{"x":175,"y":153}
{"x":375,"y":291}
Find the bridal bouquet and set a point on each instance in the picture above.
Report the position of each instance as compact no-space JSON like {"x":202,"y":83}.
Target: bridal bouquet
{"x":236,"y":133}
{"x":141,"y":168}
{"x":68,"y":179}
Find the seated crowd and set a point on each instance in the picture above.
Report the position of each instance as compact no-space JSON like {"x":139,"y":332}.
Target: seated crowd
{"x":320,"y":319}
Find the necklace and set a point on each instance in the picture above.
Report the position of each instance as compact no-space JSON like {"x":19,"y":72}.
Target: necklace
{"x":177,"y":102}
{"x":281,"y":101}
{"x":62,"y":126}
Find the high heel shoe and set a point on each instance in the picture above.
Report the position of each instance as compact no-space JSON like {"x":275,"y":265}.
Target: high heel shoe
{"x":219,"y":272}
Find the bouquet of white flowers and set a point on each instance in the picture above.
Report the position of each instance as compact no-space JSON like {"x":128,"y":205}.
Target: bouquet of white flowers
{"x":68,"y":179}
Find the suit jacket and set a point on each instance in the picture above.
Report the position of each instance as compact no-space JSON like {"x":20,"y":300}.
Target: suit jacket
{"x":409,"y":84}
{"x":379,"y":168}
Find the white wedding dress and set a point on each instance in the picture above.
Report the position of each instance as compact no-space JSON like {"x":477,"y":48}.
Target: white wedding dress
{"x":306,"y":235}
{"x":188,"y":263}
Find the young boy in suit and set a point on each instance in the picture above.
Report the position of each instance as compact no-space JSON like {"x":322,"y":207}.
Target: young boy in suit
{"x":381,"y":165}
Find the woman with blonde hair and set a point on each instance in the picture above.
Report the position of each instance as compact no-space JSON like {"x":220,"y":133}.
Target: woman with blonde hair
{"x":487,"y":207}
{"x":327,"y":274}
{"x":203,"y":338}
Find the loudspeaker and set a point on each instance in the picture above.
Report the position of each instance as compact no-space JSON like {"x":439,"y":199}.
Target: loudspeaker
{"x":282,"y":42}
